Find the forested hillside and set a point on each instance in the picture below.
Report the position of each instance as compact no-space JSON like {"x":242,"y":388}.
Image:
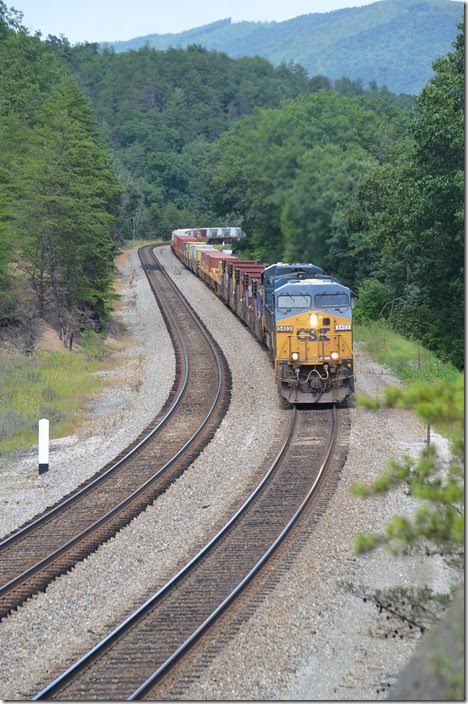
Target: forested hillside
{"x":312,"y":170}
{"x":162,"y":110}
{"x":358,"y":181}
{"x":392,"y":42}
{"x":355,"y":185}
{"x":58,"y":194}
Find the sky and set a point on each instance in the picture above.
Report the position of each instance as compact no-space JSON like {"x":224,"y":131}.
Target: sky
{"x":111,"y":20}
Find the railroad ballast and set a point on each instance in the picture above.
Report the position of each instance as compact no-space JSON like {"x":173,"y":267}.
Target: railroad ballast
{"x":302,"y":314}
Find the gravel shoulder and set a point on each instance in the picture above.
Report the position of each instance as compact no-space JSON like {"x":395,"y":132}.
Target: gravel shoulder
{"x":141,"y":375}
{"x":36,"y":645}
{"x":314,"y":637}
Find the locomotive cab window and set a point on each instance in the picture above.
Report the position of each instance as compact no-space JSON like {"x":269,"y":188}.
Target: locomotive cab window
{"x":287,"y":302}
{"x":332,"y":300}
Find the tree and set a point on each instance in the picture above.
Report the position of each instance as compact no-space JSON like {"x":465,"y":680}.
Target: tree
{"x":310,"y":217}
{"x":154,"y":105}
{"x":289,"y":172}
{"x":58,"y":193}
{"x":68,"y":200}
{"x":410,"y":213}
{"x":440,"y":518}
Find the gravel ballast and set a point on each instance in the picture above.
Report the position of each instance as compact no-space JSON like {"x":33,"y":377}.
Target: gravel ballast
{"x":38,"y":643}
{"x":314,"y":637}
{"x":139,"y":386}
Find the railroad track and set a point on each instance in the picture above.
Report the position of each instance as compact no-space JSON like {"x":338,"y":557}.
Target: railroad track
{"x":53,"y":542}
{"x":132,"y":660}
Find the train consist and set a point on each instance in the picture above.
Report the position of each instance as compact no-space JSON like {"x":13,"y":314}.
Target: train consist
{"x":301,"y":313}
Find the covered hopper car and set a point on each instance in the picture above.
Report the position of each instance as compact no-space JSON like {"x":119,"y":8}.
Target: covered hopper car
{"x":303,"y":315}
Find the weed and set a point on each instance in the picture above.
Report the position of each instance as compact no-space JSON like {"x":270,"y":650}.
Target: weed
{"x":48,"y":393}
{"x":407,"y":359}
{"x":12,"y":422}
{"x":52,"y":413}
{"x":51,"y":385}
{"x":93,"y":345}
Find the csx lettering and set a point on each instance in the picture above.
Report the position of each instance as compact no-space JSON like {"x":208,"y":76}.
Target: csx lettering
{"x":308,"y":335}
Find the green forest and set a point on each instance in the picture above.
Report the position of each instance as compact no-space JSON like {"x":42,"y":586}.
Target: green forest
{"x":58,"y":193}
{"x":161,"y":110}
{"x":370,"y":192}
{"x":101,"y":147}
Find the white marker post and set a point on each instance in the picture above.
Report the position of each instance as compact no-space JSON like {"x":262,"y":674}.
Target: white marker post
{"x":43,"y":446}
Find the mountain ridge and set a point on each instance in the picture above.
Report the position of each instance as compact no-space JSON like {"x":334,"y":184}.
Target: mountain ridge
{"x":374,"y":42}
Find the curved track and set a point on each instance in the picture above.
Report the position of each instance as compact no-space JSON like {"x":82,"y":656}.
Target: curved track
{"x":129,"y":662}
{"x":53,"y":542}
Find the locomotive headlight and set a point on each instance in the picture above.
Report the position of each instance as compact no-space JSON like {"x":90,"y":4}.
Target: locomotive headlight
{"x":314,"y":320}
{"x":335,"y":356}
{"x":294,"y":356}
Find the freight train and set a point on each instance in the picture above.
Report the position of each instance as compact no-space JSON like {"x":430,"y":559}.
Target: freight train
{"x":303,"y":315}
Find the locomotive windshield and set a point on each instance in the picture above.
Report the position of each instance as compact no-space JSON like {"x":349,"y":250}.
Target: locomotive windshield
{"x":286,"y":302}
{"x":332,"y":300}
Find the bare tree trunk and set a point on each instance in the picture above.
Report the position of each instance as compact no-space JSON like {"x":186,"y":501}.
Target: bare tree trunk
{"x":55,"y":290}
{"x":41,"y":286}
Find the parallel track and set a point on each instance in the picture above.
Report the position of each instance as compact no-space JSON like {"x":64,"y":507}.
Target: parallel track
{"x":53,"y":542}
{"x":130,"y":661}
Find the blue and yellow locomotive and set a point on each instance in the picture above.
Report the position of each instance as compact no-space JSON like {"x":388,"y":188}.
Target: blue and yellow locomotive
{"x":308,"y":329}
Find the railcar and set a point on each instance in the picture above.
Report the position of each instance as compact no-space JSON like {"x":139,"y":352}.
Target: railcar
{"x":302,"y":314}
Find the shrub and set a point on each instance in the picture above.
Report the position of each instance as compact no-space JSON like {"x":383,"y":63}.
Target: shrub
{"x":12,"y":422}
{"x":93,"y":345}
{"x":48,"y":393}
{"x":373,"y":296}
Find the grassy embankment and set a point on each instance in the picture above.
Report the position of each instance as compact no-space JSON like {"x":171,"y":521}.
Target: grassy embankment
{"x":132,"y":244}
{"x":53,"y":385}
{"x":408,"y":360}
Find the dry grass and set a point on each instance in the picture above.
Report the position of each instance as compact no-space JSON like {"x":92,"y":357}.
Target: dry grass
{"x":407,"y":359}
{"x":53,"y":385}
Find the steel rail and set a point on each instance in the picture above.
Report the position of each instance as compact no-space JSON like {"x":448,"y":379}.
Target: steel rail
{"x":57,"y":507}
{"x":151,"y":680}
{"x":131,"y":620}
{"x":33,"y":569}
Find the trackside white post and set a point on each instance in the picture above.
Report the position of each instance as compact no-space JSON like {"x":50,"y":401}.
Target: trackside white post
{"x":43,"y":445}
